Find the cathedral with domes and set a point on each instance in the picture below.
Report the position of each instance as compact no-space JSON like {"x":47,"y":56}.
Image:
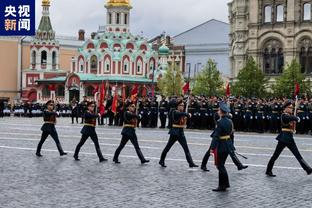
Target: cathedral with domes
{"x":112,"y":56}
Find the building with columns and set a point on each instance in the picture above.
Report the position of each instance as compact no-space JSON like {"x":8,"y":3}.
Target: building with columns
{"x":274,"y":32}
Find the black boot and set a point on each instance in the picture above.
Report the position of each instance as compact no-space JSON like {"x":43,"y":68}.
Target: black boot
{"x":219,"y":189}
{"x":270,"y":174}
{"x":144,"y":161}
{"x":38,"y":154}
{"x":103,"y":159}
{"x":76,"y":158}
{"x":115,"y":160}
{"x":305,"y":166}
{"x":162,"y":163}
{"x":237,"y":162}
{"x":204,"y":168}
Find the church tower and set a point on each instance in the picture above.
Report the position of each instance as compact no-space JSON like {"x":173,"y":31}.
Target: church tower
{"x":44,"y":47}
{"x":118,"y":15}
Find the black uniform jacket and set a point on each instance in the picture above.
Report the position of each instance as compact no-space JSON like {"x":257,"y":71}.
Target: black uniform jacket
{"x":49,"y":117}
{"x":224,"y":128}
{"x":287,"y":136}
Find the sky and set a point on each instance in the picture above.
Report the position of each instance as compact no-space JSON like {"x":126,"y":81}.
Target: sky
{"x":150,"y":17}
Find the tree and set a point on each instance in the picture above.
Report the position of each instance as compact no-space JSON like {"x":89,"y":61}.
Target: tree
{"x":172,"y":82}
{"x":208,"y":82}
{"x":251,"y":81}
{"x":285,"y":84}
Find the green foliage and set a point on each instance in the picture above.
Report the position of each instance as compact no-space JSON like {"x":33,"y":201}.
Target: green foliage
{"x":251,"y":81}
{"x":285,"y":84}
{"x":172,"y":82}
{"x":208,"y":82}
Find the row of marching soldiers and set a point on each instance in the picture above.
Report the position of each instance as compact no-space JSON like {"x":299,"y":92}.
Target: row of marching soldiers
{"x":221,"y":147}
{"x":250,"y":115}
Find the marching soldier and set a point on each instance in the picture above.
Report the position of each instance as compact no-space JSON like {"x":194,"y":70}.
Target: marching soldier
{"x":75,"y":110}
{"x":88,"y":130}
{"x":286,"y":139}
{"x":177,"y":134}
{"x":128,"y":133}
{"x":48,"y":128}
{"x":163,"y":111}
{"x":221,"y":146}
{"x":232,"y":153}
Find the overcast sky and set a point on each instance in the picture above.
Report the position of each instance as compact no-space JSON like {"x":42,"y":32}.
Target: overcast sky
{"x":151,"y":17}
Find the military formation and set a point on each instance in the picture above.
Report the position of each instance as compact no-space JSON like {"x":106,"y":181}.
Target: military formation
{"x":249,"y":115}
{"x":222,"y":144}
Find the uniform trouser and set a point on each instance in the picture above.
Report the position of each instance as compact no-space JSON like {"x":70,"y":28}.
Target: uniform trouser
{"x":232,"y":154}
{"x":182,"y":141}
{"x":73,"y":118}
{"x":134,"y":140}
{"x":223,"y":176}
{"x":54,"y":135}
{"x":162,"y":118}
{"x":294,"y":149}
{"x":94,"y":139}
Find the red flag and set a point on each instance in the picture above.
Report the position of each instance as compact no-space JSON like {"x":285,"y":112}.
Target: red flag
{"x":186,"y":88}
{"x":228,"y":90}
{"x":115,"y":101}
{"x":102,"y":96}
{"x":297,"y":89}
{"x":144,"y":91}
{"x":134,"y":93}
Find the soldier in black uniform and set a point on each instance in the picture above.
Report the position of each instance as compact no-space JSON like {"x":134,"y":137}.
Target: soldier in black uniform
{"x":177,"y":134}
{"x":163,"y":111}
{"x":83,"y":108}
{"x":221,"y":145}
{"x":153,"y":113}
{"x":75,"y":110}
{"x":48,"y":128}
{"x":172,"y":106}
{"x":1,"y":108}
{"x":88,"y":130}
{"x":128,"y":133}
{"x":286,"y":139}
{"x":232,"y":154}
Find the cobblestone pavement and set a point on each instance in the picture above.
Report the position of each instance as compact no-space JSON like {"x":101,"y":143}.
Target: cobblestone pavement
{"x":53,"y":181}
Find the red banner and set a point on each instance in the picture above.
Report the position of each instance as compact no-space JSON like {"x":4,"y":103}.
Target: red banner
{"x":102,"y":97}
{"x":115,"y":101}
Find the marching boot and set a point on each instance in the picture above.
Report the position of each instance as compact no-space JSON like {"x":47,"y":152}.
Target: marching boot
{"x":305,"y":166}
{"x":162,"y":163}
{"x":237,"y":162}
{"x":270,"y":174}
{"x":190,"y":160}
{"x":60,"y":149}
{"x":204,"y":168}
{"x":219,"y":189}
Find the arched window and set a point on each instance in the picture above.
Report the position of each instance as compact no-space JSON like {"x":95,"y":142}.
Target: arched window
{"x":267,"y":14}
{"x":54,"y":60}
{"x":273,"y":57}
{"x":60,"y":91}
{"x":307,"y":11}
{"x":139,"y":66}
{"x":305,"y":56}
{"x":94,"y":63}
{"x":46,"y":92}
{"x":81,"y":63}
{"x":280,"y":13}
{"x":126,"y":66}
{"x":89,"y":91}
{"x":118,"y":18}
{"x":43,"y":58}
{"x":33,"y":59}
{"x":107,"y":65}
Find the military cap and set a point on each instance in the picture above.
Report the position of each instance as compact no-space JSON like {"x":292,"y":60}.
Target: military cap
{"x":224,"y":108}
